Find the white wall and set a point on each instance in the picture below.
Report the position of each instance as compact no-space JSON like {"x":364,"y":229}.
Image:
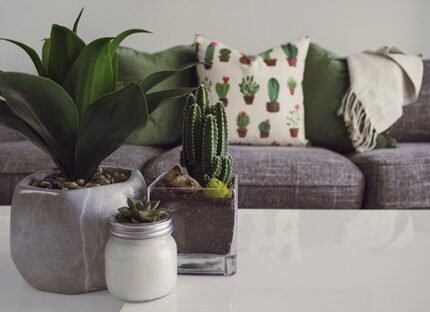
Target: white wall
{"x":344,"y":26}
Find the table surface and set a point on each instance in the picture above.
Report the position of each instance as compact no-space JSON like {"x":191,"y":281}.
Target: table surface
{"x":288,"y":260}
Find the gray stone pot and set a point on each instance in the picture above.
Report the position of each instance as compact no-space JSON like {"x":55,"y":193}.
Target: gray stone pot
{"x":57,"y":238}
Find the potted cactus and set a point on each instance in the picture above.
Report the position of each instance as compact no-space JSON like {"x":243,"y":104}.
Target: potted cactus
{"x":264,"y":128}
{"x":293,"y":121}
{"x":76,"y":112}
{"x":209,"y":55}
{"x":291,"y":51}
{"x":245,"y":59}
{"x":267,"y":58}
{"x":249,"y":87}
{"x":202,"y":198}
{"x":292,"y":84}
{"x":242,"y":123}
{"x":224,"y":55}
{"x":222,"y":90}
{"x":273,"y":91}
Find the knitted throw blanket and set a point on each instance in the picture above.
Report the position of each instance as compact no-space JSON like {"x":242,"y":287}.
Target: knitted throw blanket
{"x":381,"y":82}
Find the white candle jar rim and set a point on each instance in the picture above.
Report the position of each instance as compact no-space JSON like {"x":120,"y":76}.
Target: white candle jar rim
{"x":140,"y":230}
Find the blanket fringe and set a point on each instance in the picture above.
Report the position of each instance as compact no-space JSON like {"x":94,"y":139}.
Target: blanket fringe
{"x":363,"y":135}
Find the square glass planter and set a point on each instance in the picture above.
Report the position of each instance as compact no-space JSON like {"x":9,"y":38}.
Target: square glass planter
{"x":205,"y":227}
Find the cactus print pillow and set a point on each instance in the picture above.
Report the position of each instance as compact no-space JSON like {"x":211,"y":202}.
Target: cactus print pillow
{"x":262,"y":93}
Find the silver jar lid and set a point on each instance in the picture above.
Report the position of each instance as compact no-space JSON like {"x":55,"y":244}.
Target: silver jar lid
{"x":141,"y":230}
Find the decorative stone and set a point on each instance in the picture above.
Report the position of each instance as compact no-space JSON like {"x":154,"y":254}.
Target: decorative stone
{"x":58,"y":237}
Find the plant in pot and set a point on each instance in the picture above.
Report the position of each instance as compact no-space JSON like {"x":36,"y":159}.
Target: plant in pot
{"x":202,"y":200}
{"x":264,"y":128}
{"x":248,"y":88}
{"x":77,"y":113}
{"x":291,"y":51}
{"x":224,"y":55}
{"x":140,"y":238}
{"x":292,"y":84}
{"x":242,"y":122}
{"x":267,"y":58}
{"x":293,"y":121}
{"x":273,"y":92}
{"x":209,"y":55}
{"x":222,"y":90}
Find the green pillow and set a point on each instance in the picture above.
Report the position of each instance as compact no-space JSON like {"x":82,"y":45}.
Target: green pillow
{"x":325,"y":83}
{"x":164,"y":124}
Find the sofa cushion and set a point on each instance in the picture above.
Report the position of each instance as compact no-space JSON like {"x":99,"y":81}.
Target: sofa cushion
{"x":19,"y":159}
{"x":9,"y":135}
{"x":285,"y":177}
{"x":397,"y":178}
{"x":414,"y":125}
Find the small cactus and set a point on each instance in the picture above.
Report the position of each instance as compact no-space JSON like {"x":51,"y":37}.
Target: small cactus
{"x":224,"y":55}
{"x":204,"y":139}
{"x":292,"y":84}
{"x":141,"y":211}
{"x":267,"y":58}
{"x":249,"y":87}
{"x":209,"y":55}
{"x":222,"y":89}
{"x":242,"y":123}
{"x":273,"y":91}
{"x":264,"y":128}
{"x":291,"y":51}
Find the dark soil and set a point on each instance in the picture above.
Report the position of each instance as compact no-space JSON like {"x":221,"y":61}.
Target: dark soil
{"x":102,"y":176}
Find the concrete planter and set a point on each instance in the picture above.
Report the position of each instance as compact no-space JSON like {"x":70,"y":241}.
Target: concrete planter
{"x":57,"y":238}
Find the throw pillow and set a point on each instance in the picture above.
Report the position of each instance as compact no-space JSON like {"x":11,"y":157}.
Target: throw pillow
{"x":164,"y":124}
{"x":262,"y":94}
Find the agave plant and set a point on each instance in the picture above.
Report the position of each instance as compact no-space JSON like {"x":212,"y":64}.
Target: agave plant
{"x":74,"y":109}
{"x":141,"y":211}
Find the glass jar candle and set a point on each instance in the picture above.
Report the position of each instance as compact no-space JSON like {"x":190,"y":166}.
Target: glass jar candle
{"x":140,"y":260}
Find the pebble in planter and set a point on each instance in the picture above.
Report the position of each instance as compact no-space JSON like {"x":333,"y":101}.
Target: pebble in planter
{"x":203,"y":201}
{"x":79,"y":117}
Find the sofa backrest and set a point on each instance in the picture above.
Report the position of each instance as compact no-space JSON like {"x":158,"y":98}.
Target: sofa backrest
{"x":414,"y":125}
{"x":8,"y":135}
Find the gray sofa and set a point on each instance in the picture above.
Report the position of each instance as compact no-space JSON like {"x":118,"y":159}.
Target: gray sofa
{"x":284,"y":177}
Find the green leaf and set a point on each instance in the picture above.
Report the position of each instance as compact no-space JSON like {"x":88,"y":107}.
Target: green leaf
{"x":45,"y":53}
{"x":32,"y":54}
{"x":75,"y":25}
{"x":47,"y":109}
{"x":157,"y":99}
{"x":93,"y":73}
{"x":106,"y":125}
{"x":155,"y":78}
{"x":64,"y":47}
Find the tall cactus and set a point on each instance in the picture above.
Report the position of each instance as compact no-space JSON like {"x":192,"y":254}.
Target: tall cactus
{"x":209,"y":55}
{"x":204,"y":139}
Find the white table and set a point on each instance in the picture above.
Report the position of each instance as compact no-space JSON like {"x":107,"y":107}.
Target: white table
{"x":290,"y":260}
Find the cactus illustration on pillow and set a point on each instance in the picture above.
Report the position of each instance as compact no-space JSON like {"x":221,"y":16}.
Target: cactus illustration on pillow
{"x":224,"y":55}
{"x":209,"y":55}
{"x":249,"y":87}
{"x":222,"y":90}
{"x":293,"y":121}
{"x":242,"y":123}
{"x":291,"y":51}
{"x":273,"y":91}
{"x":267,"y":58}
{"x":292,"y":84}
{"x":264,"y":128}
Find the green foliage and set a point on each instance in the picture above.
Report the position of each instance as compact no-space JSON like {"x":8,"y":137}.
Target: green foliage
{"x":273,"y":89}
{"x":74,"y":110}
{"x":141,"y":211}
{"x":266,"y":54}
{"x":222,"y":88}
{"x":293,"y":119}
{"x":225,"y":53}
{"x":217,"y":189}
{"x":290,"y":50}
{"x":242,"y":120}
{"x":209,"y":54}
{"x":249,"y":87}
{"x":291,"y":83}
{"x":204,"y":139}
{"x":264,"y":126}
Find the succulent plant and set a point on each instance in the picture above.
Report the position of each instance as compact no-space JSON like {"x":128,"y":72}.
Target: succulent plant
{"x":294,"y":118}
{"x":264,"y":126}
{"x":75,"y":110}
{"x":204,"y":139}
{"x":249,"y":87}
{"x":292,"y":84}
{"x":242,"y":120}
{"x":266,"y":54}
{"x":209,"y":55}
{"x":222,"y":88}
{"x":224,"y":55}
{"x":141,"y":211}
{"x":273,"y":89}
{"x":290,"y":50}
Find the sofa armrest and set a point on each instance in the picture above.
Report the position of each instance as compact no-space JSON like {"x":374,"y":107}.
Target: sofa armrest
{"x":9,"y":135}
